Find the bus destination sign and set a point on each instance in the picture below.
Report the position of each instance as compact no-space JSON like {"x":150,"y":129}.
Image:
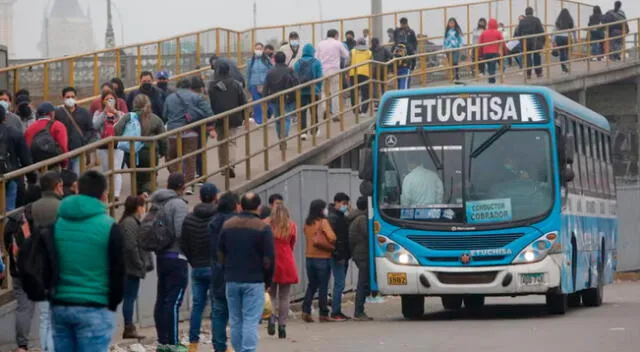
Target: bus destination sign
{"x":456,"y":109}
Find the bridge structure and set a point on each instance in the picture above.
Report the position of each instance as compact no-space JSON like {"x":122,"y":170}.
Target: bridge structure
{"x":596,"y":80}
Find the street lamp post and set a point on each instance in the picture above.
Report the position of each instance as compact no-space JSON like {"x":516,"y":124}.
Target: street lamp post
{"x":376,"y":11}
{"x":110,"y":40}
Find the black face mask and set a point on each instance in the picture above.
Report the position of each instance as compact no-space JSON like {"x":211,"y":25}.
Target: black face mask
{"x":163,"y":85}
{"x":24,"y":111}
{"x":146,"y":87}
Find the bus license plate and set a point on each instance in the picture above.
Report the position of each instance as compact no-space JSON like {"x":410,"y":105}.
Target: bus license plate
{"x":397,"y":279}
{"x":535,"y":279}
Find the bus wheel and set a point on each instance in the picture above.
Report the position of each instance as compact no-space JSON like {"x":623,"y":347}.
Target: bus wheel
{"x":412,"y":306}
{"x":557,"y":303}
{"x":452,"y":302}
{"x":592,"y":297}
{"x":574,"y":300}
{"x":473,"y":302}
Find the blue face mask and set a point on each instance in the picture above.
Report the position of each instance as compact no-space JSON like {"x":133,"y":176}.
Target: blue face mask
{"x":344,"y":209}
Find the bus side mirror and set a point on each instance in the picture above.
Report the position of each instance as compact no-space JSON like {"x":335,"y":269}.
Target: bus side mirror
{"x":366,"y":189}
{"x":569,"y":148}
{"x":365,"y":171}
{"x":568,"y":175}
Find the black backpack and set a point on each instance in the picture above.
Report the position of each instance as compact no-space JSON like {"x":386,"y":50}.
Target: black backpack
{"x":154,"y":235}
{"x":6,"y":163}
{"x":305,"y":70}
{"x":43,"y":145}
{"x":38,"y":264}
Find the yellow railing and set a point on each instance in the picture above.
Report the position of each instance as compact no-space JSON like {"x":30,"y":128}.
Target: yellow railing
{"x":188,"y":54}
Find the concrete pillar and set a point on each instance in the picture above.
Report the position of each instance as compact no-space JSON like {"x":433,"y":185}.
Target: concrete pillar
{"x":377,"y":23}
{"x":638,"y":124}
{"x":582,"y":97}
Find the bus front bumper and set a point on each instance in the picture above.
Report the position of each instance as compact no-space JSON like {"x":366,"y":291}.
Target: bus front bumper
{"x":507,"y":280}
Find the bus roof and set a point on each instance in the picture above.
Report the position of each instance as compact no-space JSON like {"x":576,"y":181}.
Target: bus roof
{"x":559,"y":101}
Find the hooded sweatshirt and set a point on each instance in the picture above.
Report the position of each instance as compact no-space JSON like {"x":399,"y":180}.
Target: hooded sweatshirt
{"x":175,"y":210}
{"x":89,"y":245}
{"x":359,"y":235}
{"x":195,"y":241}
{"x":492,"y":34}
{"x":309,"y":57}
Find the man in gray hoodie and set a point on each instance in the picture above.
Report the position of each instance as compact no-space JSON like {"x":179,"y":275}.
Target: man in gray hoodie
{"x":171,"y":264}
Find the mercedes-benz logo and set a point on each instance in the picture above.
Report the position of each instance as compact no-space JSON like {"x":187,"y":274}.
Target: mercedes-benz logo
{"x":390,"y":140}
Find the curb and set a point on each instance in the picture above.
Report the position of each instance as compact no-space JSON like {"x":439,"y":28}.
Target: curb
{"x":627,"y":276}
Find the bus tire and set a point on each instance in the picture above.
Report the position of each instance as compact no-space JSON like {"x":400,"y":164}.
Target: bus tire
{"x":574,"y":300}
{"x":592,"y":297}
{"x":474,"y":302}
{"x":412,"y":306}
{"x":451,"y":302}
{"x":557,"y":304}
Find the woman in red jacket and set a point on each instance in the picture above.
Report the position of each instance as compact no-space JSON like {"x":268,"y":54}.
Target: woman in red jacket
{"x":492,"y":51}
{"x":285,"y":275}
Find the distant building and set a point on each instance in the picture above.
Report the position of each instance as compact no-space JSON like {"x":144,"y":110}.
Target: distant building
{"x":66,"y":30}
{"x":6,"y":24}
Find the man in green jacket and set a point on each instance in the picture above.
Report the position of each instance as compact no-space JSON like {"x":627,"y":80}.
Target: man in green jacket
{"x":359,"y":242}
{"x":89,"y":245}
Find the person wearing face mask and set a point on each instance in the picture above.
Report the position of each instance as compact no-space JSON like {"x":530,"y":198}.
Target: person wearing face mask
{"x":10,"y":119}
{"x":162,"y":82}
{"x":97,"y":103}
{"x":25,"y":110}
{"x":269,"y":50}
{"x":154,"y":94}
{"x":104,"y":121}
{"x":118,"y":88}
{"x":292,"y":49}
{"x":78,"y":122}
{"x":338,"y":213}
{"x":256,"y":74}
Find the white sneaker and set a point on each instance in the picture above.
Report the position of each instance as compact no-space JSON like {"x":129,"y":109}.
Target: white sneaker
{"x":304,"y":136}
{"x":318,"y":134}
{"x":189,"y":191}
{"x":252,"y":120}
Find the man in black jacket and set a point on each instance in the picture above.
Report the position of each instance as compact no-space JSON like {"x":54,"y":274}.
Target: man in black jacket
{"x":531,"y":25}
{"x":195,"y":244}
{"x":225,"y":93}
{"x":338,"y":212}
{"x":280,"y":78}
{"x":79,"y":124}
{"x":155,"y":95}
{"x":14,"y":154}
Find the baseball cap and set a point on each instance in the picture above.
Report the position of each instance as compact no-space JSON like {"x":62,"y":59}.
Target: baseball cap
{"x":45,"y":108}
{"x":162,"y":75}
{"x":208,"y":192}
{"x":175,"y":181}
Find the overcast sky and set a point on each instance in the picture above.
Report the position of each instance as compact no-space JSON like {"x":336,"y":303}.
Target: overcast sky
{"x":146,"y":20}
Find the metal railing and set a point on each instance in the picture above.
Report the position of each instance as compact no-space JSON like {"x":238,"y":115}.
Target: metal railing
{"x":188,"y":54}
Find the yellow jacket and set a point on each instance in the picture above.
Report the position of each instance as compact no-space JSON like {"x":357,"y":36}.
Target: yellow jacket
{"x":360,"y":56}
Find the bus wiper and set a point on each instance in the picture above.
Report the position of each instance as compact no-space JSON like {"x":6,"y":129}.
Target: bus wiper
{"x":429,"y":146}
{"x":487,"y":143}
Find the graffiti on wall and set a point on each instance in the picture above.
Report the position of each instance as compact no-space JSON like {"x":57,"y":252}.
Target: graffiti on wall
{"x":625,"y":147}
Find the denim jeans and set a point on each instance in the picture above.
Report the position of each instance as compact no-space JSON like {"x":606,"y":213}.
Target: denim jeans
{"x":596,"y":48}
{"x":257,"y":109}
{"x":74,"y":165}
{"x":563,"y":50}
{"x":131,"y":287}
{"x":82,"y":329}
{"x":200,"y":289}
{"x":11,"y":189}
{"x":404,"y":78}
{"x":219,"y":322}
{"x":246,"y":302}
{"x":46,"y":330}
{"x":534,"y":60}
{"x":363,"y":289}
{"x":339,"y":270}
{"x":318,"y":274}
{"x":172,"y":282}
{"x":491,"y":66}
{"x":275,"y":108}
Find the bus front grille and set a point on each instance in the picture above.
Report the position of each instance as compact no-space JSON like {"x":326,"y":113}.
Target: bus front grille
{"x":465,"y":242}
{"x":476,"y":278}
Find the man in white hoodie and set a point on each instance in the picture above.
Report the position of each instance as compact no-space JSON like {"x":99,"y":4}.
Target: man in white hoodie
{"x":292,"y":50}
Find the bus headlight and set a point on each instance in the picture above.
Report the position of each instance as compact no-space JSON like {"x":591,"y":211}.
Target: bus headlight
{"x":539,"y":249}
{"x":395,"y":253}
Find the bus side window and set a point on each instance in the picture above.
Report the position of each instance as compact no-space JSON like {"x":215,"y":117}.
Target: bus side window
{"x":612,"y":179}
{"x":597,"y":162}
{"x":583,"y":158}
{"x":573,"y":128}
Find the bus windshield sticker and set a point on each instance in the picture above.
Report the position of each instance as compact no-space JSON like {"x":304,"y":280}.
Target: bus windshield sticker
{"x":427,"y":214}
{"x":454,"y":109}
{"x":490,"y":210}
{"x":449,"y":214}
{"x":406,"y":214}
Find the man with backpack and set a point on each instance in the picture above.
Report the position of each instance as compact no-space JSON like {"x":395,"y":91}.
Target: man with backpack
{"x":78,"y":122}
{"x":160,"y":231}
{"x":280,"y":78}
{"x":91,"y":271}
{"x":46,"y":138}
{"x":616,"y":30}
{"x":307,"y":69}
{"x":14,"y":154}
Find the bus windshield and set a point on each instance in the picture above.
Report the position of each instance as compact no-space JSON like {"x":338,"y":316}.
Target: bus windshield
{"x":476,"y":177}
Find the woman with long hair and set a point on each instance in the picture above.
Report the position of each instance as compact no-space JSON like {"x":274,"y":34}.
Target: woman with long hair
{"x":596,"y":34}
{"x":453,"y":39}
{"x":475,"y":37}
{"x":284,"y":237}
{"x":561,"y":40}
{"x":118,"y":87}
{"x":318,"y":259}
{"x":137,"y":261}
{"x":104,"y":121}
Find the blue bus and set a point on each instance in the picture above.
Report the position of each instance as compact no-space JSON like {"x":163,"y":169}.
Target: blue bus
{"x":480,"y":191}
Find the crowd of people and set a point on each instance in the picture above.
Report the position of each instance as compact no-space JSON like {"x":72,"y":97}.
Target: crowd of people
{"x":497,"y":41}
{"x":239,"y":251}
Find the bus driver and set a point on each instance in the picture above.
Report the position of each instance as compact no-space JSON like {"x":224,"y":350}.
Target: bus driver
{"x":421,"y":187}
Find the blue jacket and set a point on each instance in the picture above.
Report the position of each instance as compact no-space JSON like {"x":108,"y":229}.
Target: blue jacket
{"x":217,"y":270}
{"x":453,"y":40}
{"x":175,"y":108}
{"x":308,"y":54}
{"x":257,"y":69}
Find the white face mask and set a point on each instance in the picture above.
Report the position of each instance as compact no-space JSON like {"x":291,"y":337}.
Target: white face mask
{"x":5,"y":104}
{"x":295,"y":43}
{"x":111,"y":102}
{"x":258,"y":52}
{"x":70,"y":102}
{"x":325,"y":211}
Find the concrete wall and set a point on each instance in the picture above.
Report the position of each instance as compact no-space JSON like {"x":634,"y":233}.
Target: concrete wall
{"x":628,"y":234}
